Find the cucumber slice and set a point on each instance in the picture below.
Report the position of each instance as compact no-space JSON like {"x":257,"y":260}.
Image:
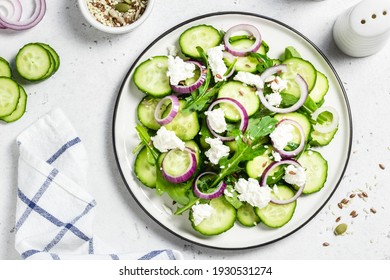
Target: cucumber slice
{"x":244,"y":94}
{"x":20,"y":108}
{"x":33,"y":62}
{"x":9,"y":96}
{"x":256,"y":166}
{"x":320,"y":88}
{"x":299,"y":118}
{"x":321,"y":139}
{"x":193,"y":146}
{"x":245,"y":63}
{"x":246,"y":215}
{"x":204,"y":36}
{"x":5,"y":69}
{"x":316,"y":171}
{"x":151,"y":76}
{"x":144,"y":170}
{"x":54,"y":54}
{"x":274,"y":215}
{"x":185,"y":124}
{"x":222,"y":218}
{"x":296,"y":65}
{"x":145,"y":112}
{"x":176,"y":162}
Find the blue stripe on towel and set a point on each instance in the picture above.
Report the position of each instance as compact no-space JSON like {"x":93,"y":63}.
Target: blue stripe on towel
{"x":35,"y":199}
{"x":29,"y":253}
{"x":114,"y":256}
{"x":63,"y":149}
{"x":68,"y":226}
{"x":51,"y":218}
{"x":154,"y":254}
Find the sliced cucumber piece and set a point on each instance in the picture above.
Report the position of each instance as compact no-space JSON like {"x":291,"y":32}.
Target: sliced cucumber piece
{"x":204,"y":36}
{"x":185,"y":124}
{"x":320,"y":88}
{"x":299,"y":118}
{"x":176,"y":162}
{"x":9,"y":96}
{"x":256,"y":166}
{"x":246,"y":215}
{"x":33,"y":62}
{"x":321,"y":139}
{"x":274,"y":215}
{"x":316,"y":171}
{"x":54,"y":54}
{"x":245,"y":63}
{"x":20,"y":108}
{"x":244,"y":94}
{"x":151,"y":76}
{"x":144,"y":170}
{"x":222,"y":218}
{"x":145,"y":112}
{"x":296,"y":65}
{"x":5,"y":69}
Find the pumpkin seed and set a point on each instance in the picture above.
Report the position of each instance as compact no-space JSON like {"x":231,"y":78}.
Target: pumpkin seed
{"x":340,"y":229}
{"x":122,"y":7}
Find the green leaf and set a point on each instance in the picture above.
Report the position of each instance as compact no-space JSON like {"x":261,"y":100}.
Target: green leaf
{"x":145,"y":138}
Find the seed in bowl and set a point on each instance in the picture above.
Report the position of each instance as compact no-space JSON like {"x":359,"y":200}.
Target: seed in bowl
{"x":116,"y":13}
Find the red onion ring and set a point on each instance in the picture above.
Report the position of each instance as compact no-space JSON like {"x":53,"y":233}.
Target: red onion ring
{"x":291,"y":154}
{"x":186,"y":174}
{"x":304,"y":93}
{"x":252,"y":30}
{"x":216,"y":193}
{"x":197,"y":84}
{"x":172,"y":113}
{"x":326,"y":128}
{"x":268,"y":170}
{"x":240,"y":109}
{"x":36,"y":17}
{"x":273,"y":70}
{"x":13,"y":9}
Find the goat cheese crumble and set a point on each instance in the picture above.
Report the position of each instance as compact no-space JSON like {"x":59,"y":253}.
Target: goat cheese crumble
{"x":167,"y":140}
{"x":282,"y":134}
{"x":201,"y":212}
{"x":249,"y":79}
{"x":217,"y":65}
{"x":274,"y":99}
{"x":295,"y":175}
{"x":216,"y":119}
{"x":179,"y":70}
{"x":251,"y":192}
{"x":217,"y":150}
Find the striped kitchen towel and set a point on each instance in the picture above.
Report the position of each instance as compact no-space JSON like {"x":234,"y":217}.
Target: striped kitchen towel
{"x":54,"y":214}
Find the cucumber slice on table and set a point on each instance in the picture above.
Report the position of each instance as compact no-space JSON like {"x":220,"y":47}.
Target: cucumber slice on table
{"x":54,"y":55}
{"x":244,"y":94}
{"x":204,"y":36}
{"x":274,"y":215}
{"x":5,"y":70}
{"x":33,"y":62}
{"x":20,"y":107}
{"x":9,"y":96}
{"x":151,"y":76}
{"x":222,"y":218}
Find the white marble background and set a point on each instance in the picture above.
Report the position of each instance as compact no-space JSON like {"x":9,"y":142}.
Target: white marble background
{"x":77,"y":88}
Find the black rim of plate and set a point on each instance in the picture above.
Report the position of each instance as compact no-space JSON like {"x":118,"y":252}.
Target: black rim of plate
{"x":251,"y":15}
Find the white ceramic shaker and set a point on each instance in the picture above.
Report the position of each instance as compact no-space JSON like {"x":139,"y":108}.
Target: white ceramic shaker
{"x":363,"y":29}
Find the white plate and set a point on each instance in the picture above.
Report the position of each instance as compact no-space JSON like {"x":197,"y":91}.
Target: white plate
{"x":278,"y":36}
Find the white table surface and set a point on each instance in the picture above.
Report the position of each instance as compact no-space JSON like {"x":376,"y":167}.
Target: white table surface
{"x":93,"y":65}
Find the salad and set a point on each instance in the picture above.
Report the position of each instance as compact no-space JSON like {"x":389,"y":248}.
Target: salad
{"x":230,"y":133}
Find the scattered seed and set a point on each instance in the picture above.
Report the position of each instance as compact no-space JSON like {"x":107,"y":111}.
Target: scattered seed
{"x":353,"y":214}
{"x":344,"y":201}
{"x":352,"y":195}
{"x":325,"y":244}
{"x":340,"y":205}
{"x":218,"y":76}
{"x":364,"y":194}
{"x":360,"y":195}
{"x":338,"y":219}
{"x":373,"y":210}
{"x":340,"y":229}
{"x":382,"y":166}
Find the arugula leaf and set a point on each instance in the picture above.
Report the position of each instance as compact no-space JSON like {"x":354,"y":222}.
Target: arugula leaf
{"x":249,"y":146}
{"x":264,"y":61}
{"x":203,"y":99}
{"x":145,"y":138}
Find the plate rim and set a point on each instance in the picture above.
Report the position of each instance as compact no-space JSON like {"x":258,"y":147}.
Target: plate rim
{"x":157,"y":39}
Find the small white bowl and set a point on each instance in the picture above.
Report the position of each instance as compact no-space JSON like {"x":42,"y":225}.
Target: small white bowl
{"x":114,"y":30}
